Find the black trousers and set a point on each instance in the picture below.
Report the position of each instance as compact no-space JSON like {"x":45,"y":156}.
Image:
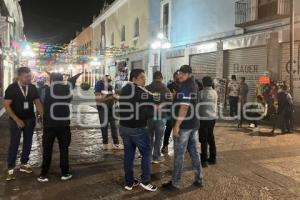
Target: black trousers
{"x":233,"y":103}
{"x":207,"y":138}
{"x":286,"y":120}
{"x":167,"y":133}
{"x":63,"y":135}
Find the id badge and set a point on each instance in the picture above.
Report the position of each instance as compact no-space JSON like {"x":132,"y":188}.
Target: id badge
{"x":26,"y":105}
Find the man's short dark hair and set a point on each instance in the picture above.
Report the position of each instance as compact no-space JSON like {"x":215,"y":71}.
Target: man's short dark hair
{"x":186,"y":69}
{"x":135,"y":73}
{"x":243,"y":78}
{"x":233,"y":77}
{"x":157,"y":75}
{"x":207,"y":81}
{"x":23,"y":70}
{"x":56,"y":77}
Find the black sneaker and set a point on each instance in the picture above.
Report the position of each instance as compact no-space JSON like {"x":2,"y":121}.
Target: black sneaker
{"x":43,"y":179}
{"x":212,"y":161}
{"x":170,"y":186}
{"x":135,"y":184}
{"x":204,"y":164}
{"x":66,"y":177}
{"x":198,"y":185}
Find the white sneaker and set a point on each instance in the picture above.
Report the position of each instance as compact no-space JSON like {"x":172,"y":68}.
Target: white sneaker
{"x":43,"y":179}
{"x":129,"y":188}
{"x":10,"y":175}
{"x":118,"y":147}
{"x":149,"y":187}
{"x":26,"y":168}
{"x":252,"y":125}
{"x":66,"y":177}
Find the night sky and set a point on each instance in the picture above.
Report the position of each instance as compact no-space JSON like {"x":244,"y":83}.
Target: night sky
{"x":57,"y":21}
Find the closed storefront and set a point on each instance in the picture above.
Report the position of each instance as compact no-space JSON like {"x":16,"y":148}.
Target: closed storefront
{"x":250,"y":63}
{"x":173,"y":60}
{"x":204,"y":64}
{"x":172,"y":65}
{"x":285,"y":65}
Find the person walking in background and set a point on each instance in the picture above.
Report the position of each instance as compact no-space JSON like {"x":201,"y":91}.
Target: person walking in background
{"x":243,"y":93}
{"x":157,"y":125}
{"x":57,"y":102}
{"x":285,"y":109}
{"x":20,"y":98}
{"x":208,"y":99}
{"x":105,"y":102}
{"x":233,"y":94}
{"x":173,"y":86}
{"x":133,"y":129}
{"x":185,"y":127}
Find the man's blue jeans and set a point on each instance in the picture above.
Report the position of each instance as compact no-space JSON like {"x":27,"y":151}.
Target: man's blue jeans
{"x":186,"y":141}
{"x":136,"y":138}
{"x":156,"y":130}
{"x":15,"y":136}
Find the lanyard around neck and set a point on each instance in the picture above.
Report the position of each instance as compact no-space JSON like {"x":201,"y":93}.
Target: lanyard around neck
{"x":25,"y":93}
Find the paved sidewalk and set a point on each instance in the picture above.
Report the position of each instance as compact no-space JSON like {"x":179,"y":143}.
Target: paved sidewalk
{"x":250,"y":166}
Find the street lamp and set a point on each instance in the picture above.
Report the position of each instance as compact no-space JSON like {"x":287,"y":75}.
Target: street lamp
{"x":28,"y":52}
{"x":160,"y":44}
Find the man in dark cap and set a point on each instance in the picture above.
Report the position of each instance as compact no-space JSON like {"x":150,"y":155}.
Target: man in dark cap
{"x":57,"y":104}
{"x":185,"y":127}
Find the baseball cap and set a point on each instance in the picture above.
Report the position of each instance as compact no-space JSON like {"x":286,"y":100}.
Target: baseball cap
{"x":186,"y":69}
{"x":56,"y":77}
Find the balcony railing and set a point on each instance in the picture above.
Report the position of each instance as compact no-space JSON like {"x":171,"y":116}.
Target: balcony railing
{"x":252,"y":12}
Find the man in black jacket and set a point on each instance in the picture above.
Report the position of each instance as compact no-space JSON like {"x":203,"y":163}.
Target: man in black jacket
{"x":135,"y":110}
{"x":57,"y":104}
{"x":157,"y":124}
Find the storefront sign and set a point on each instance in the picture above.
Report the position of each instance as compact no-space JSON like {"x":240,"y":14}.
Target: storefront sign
{"x":245,"y":69}
{"x":175,"y":53}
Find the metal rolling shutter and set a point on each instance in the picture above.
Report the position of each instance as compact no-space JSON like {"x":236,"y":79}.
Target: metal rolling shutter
{"x":250,"y":63}
{"x":204,"y":65}
{"x":172,"y":65}
{"x":284,"y":60}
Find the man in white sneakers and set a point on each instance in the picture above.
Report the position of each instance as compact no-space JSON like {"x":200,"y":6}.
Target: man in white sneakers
{"x":20,"y":98}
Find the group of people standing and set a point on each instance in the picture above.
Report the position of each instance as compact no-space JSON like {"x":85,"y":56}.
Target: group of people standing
{"x":161,"y":111}
{"x":148,"y":115}
{"x":274,"y":103}
{"x":53,"y":107}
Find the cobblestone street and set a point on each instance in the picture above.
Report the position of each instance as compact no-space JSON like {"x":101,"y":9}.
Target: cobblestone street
{"x":250,"y":166}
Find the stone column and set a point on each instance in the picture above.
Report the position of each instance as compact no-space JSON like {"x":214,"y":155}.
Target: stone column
{"x":220,"y":60}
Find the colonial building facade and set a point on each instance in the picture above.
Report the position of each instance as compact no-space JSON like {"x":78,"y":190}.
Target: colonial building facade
{"x":81,"y":48}
{"x":11,"y":29}
{"x":122,"y":37}
{"x":220,"y":38}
